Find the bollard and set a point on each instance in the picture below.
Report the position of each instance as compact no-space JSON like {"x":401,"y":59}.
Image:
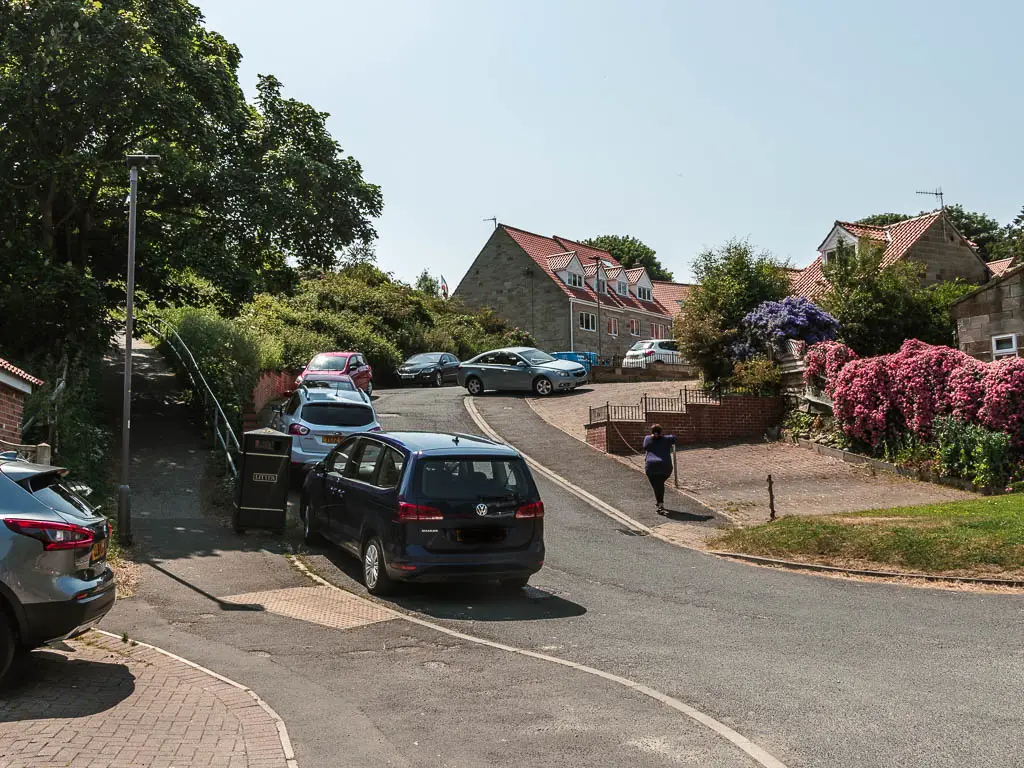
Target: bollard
{"x":771,"y":499}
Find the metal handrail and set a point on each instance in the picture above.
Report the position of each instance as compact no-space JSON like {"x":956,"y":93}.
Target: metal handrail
{"x":219,"y":417}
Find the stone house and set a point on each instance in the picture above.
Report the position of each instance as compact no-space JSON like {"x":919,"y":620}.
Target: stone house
{"x":15,"y":385}
{"x":931,"y":240}
{"x":569,"y":296}
{"x":990,"y":320}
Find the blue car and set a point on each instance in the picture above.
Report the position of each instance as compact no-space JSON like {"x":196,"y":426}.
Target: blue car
{"x":427,"y":507}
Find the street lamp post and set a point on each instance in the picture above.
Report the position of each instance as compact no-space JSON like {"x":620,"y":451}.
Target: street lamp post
{"x":124,"y":518}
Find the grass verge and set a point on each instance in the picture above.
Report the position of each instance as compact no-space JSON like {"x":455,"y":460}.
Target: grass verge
{"x":982,"y":537}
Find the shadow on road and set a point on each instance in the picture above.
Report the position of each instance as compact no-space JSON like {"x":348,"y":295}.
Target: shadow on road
{"x":47,"y":685}
{"x":686,"y":517}
{"x":470,"y":602}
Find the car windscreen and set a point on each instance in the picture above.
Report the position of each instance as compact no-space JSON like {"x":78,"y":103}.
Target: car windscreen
{"x":641,"y":345}
{"x":328,"y":363}
{"x":336,"y":414}
{"x":469,"y":478}
{"x":332,"y":384}
{"x":49,"y":489}
{"x":536,"y":357}
{"x":423,"y":359}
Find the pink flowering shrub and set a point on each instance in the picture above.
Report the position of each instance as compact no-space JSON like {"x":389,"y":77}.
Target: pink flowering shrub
{"x":824,"y":361}
{"x":1002,"y":408}
{"x":879,"y":398}
{"x":863,"y":401}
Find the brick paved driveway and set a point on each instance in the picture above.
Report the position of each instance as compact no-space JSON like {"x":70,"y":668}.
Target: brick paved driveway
{"x":107,"y":704}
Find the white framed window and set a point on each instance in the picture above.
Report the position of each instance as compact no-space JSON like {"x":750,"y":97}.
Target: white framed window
{"x":642,"y":293}
{"x":613,"y":326}
{"x":829,"y":256}
{"x":601,"y":287}
{"x":634,"y":327}
{"x":574,"y":279}
{"x":623,"y":288}
{"x":658,"y":331}
{"x":588,"y":321}
{"x":1004,"y":346}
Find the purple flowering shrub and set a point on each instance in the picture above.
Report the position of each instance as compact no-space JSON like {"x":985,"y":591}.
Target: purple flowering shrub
{"x":773,"y":323}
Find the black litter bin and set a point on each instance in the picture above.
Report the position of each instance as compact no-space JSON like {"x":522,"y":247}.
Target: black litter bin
{"x":262,"y":497}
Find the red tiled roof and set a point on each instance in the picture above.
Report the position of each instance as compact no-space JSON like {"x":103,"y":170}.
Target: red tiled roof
{"x":560,"y":261}
{"x":899,"y":238}
{"x":587,"y":252}
{"x":998,"y":267}
{"x":15,"y":371}
{"x":671,"y":295}
{"x":541,"y":248}
{"x":633,"y":275}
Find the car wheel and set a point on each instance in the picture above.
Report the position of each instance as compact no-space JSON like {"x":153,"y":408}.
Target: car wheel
{"x":375,"y":573}
{"x":438,"y":379}
{"x":7,"y":644}
{"x":474,"y":386}
{"x":516,"y":584}
{"x":542,"y":386}
{"x":309,"y":533}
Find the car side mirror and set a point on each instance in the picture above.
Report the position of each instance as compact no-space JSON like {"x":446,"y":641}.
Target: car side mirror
{"x":522,"y":364}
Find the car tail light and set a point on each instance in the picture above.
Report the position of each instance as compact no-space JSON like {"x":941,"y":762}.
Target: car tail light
{"x":377,"y":429}
{"x":298,"y":429}
{"x":648,"y":353}
{"x":52,"y":535}
{"x":407,"y":512}
{"x":533,"y":509}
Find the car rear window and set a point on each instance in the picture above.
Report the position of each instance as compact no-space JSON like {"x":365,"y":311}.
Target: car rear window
{"x":641,"y":345}
{"x":336,"y":414}
{"x":337,"y":386}
{"x":328,"y":363}
{"x":56,"y":495}
{"x":454,"y":479}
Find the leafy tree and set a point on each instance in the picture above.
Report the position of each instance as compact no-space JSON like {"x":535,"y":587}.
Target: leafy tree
{"x":765,"y":331}
{"x":878,"y":309}
{"x":428,"y":284}
{"x":883,"y":219}
{"x":630,"y":252}
{"x":732,"y":281}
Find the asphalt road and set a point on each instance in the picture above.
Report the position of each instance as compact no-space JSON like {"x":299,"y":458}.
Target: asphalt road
{"x":819,"y":672}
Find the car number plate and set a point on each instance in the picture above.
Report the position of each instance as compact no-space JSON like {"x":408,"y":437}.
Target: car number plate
{"x":331,"y":439}
{"x":99,"y":551}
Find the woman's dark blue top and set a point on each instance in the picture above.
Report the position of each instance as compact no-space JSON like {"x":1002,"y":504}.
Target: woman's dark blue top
{"x":659,"y":454}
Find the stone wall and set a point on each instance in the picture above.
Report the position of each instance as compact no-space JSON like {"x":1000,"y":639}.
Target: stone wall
{"x":739,"y":417}
{"x":11,"y":406}
{"x":995,"y":310}
{"x":947,"y":257}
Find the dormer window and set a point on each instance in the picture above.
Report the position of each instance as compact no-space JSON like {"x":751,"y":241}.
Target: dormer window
{"x":601,"y":288}
{"x":643,"y":293}
{"x":829,"y":256}
{"x":623,"y":288}
{"x":574,"y":280}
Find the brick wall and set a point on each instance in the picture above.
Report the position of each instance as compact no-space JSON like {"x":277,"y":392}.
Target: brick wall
{"x":739,"y":417}
{"x":11,"y":404}
{"x":995,"y":310}
{"x":947,"y":257}
{"x":271,"y":386}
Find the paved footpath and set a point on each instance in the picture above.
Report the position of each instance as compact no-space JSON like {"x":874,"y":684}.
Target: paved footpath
{"x":105,"y":703}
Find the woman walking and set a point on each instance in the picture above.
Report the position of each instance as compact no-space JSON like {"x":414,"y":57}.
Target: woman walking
{"x":658,"y":462}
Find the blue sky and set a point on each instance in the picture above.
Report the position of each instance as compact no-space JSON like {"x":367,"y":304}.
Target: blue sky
{"x":680,"y":123}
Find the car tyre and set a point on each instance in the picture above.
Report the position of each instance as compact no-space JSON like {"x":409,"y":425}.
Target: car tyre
{"x":438,"y":379}
{"x":375,"y":572}
{"x":474,"y":386}
{"x":8,"y":644}
{"x":310,"y":535}
{"x":542,"y":386}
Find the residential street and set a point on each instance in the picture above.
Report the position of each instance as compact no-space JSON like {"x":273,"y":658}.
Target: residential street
{"x":815,"y":672}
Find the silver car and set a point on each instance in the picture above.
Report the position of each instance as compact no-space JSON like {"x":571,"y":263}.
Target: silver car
{"x":520,"y":369}
{"x":54,"y":577}
{"x":319,"y":419}
{"x":643,"y":353}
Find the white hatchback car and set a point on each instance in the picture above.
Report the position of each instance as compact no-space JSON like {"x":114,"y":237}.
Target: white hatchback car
{"x":319,"y":419}
{"x":643,"y":353}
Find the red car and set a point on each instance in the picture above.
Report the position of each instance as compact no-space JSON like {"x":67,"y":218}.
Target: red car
{"x":340,"y":364}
